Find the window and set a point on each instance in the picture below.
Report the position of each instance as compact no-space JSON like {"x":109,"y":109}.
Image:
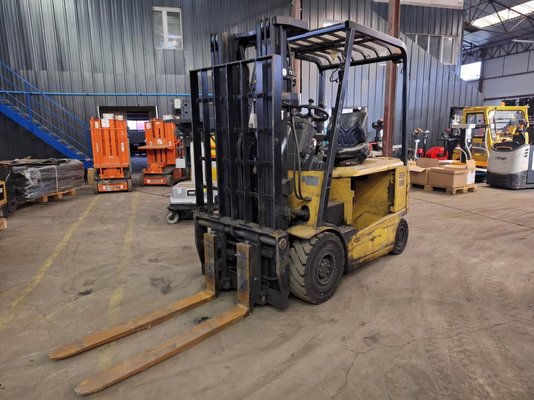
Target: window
{"x":470,"y":72}
{"x":448,"y":53}
{"x":504,"y":123}
{"x":135,"y":125}
{"x":167,"y":28}
{"x":478,"y":120}
{"x":441,"y":47}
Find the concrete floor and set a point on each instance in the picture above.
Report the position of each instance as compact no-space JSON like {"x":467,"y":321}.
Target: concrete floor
{"x":452,"y":317}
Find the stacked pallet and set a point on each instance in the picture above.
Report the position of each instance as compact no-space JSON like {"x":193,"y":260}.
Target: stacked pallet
{"x":451,"y":177}
{"x":37,"y":180}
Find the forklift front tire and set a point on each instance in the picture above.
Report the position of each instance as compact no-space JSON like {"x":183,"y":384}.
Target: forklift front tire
{"x":172,"y":217}
{"x":401,"y":237}
{"x":129,"y":184}
{"x":316,"y":267}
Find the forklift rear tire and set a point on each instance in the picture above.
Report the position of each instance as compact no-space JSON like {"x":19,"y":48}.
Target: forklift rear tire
{"x":316,"y":267}
{"x":401,"y":237}
{"x":95,"y":187}
{"x":129,"y":184}
{"x":172,"y":217}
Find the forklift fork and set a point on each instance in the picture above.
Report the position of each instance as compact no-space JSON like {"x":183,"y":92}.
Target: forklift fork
{"x":176,"y":344}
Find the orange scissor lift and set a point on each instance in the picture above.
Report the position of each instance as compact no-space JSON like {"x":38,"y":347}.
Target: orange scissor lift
{"x":111,"y":154}
{"x":161,"y":152}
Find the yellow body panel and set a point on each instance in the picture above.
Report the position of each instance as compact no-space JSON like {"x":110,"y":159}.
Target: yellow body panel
{"x":402,"y":183}
{"x":369,"y":166}
{"x":375,"y":198}
{"x":304,"y":231}
{"x":371,"y":200}
{"x":340,"y":190}
{"x":374,"y":241}
{"x":311,"y":182}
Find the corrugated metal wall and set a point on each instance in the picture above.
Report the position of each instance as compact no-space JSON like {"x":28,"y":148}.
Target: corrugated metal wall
{"x":433,"y":87}
{"x":107,"y":46}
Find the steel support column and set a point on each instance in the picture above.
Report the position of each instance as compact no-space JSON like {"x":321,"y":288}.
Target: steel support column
{"x":391,"y":82}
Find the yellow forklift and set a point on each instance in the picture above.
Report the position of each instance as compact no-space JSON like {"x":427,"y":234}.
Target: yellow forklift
{"x":299,"y":202}
{"x":493,"y":124}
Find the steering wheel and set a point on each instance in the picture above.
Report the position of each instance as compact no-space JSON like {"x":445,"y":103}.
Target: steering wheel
{"x":315,"y":113}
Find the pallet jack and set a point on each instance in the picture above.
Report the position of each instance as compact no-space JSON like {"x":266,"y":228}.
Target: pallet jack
{"x":297,"y":207}
{"x":162,"y":149}
{"x":511,"y":162}
{"x":111,"y":154}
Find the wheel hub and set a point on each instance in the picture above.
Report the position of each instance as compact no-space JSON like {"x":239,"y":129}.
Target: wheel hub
{"x":400,"y":235}
{"x":325,"y":269}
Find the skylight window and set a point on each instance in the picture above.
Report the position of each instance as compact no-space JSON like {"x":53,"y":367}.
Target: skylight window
{"x":505,"y":15}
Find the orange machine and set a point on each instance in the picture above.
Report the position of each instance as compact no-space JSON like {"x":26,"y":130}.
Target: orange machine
{"x":162,"y":150}
{"x":111,"y":154}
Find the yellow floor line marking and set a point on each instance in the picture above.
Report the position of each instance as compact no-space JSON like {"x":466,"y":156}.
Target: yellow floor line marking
{"x":36,"y":279}
{"x":106,"y":357}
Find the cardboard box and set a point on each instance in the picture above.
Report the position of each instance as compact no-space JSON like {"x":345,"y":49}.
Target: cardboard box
{"x":471,"y":170}
{"x":427,"y":162}
{"x":419,"y":170}
{"x":452,"y":176}
{"x":418,"y":175}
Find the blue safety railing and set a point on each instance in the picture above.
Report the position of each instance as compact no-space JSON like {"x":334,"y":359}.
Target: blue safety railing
{"x":43,"y":116}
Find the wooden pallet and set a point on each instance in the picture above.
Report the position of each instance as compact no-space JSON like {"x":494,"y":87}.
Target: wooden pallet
{"x":452,"y":190}
{"x":57,"y":195}
{"x":417,"y":186}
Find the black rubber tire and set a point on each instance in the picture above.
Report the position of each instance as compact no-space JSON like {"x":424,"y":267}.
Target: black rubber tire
{"x":169,"y":180}
{"x":95,"y":187}
{"x":129,"y":184}
{"x":401,"y":237}
{"x":306,"y":267}
{"x":172,"y":217}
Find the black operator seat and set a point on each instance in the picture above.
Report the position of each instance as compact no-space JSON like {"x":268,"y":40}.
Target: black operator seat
{"x":352,"y":147}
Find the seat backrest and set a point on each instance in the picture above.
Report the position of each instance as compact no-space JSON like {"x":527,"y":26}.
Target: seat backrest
{"x":352,"y":128}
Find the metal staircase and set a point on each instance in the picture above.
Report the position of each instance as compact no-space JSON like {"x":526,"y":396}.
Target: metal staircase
{"x":43,"y":116}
